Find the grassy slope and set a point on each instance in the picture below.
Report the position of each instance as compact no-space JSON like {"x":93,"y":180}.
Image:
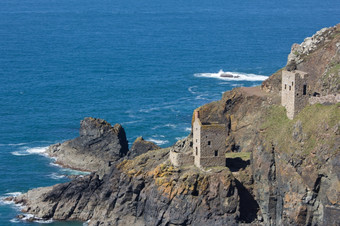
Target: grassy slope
{"x":319,"y":125}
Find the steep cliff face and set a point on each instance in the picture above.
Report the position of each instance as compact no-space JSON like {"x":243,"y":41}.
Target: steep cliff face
{"x":296,"y":167}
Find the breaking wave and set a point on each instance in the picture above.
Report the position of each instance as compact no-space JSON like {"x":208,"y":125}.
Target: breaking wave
{"x":30,"y":151}
{"x":232,"y":76}
{"x":158,"y":141}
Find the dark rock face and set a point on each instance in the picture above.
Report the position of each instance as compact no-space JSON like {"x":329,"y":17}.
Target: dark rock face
{"x":296,"y":173}
{"x":99,"y":134}
{"x":291,"y":65}
{"x":141,"y":146}
{"x":98,"y":144}
{"x":142,"y":191}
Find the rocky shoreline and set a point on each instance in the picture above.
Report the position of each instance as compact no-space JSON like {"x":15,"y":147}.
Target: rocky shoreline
{"x":291,"y":178}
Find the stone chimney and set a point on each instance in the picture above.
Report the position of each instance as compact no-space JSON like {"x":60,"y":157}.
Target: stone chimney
{"x":197,"y":114}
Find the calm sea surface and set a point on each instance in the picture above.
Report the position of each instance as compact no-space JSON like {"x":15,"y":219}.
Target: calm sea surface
{"x":145,"y":64}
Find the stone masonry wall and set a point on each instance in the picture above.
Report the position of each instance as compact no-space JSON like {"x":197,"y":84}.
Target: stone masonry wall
{"x":181,"y":159}
{"x":301,"y":97}
{"x":293,"y":97}
{"x":197,"y":140}
{"x":213,"y":142}
{"x":287,"y":95}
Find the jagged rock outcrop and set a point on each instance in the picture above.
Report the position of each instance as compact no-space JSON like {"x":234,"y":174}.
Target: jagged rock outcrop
{"x":319,"y":56}
{"x":142,"y":191}
{"x":141,"y":146}
{"x":98,"y":145}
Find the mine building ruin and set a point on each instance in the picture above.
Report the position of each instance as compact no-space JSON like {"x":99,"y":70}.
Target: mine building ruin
{"x":209,"y":146}
{"x":294,"y":93}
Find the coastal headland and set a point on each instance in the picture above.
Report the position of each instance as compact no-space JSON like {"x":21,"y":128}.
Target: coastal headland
{"x":279,"y":171}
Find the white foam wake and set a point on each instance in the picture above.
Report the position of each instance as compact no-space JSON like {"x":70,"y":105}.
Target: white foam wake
{"x":30,"y":151}
{"x":237,"y":76}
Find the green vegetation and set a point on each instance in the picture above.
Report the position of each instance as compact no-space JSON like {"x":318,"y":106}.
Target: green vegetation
{"x":245,"y":156}
{"x":313,"y":127}
{"x":334,"y":69}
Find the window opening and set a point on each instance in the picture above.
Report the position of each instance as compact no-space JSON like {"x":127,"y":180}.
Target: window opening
{"x":285,"y":86}
{"x":304,"y":89}
{"x":290,"y":88}
{"x":209,"y":142}
{"x":196,"y":151}
{"x":216,"y":152}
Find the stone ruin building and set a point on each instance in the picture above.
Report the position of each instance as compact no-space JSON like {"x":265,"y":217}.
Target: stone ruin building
{"x":208,"y":148}
{"x":294,"y":94}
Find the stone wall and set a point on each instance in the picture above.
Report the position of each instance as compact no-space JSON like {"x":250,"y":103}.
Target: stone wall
{"x":328,"y":99}
{"x":295,"y":93}
{"x":197,"y":140}
{"x":181,"y":159}
{"x":212,"y":145}
{"x":212,"y":161}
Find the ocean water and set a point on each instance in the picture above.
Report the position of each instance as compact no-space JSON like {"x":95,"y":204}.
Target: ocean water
{"x":144,"y":64}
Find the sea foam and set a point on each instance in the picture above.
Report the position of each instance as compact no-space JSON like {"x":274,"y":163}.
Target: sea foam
{"x":239,"y":76}
{"x":30,"y":151}
{"x":158,"y":142}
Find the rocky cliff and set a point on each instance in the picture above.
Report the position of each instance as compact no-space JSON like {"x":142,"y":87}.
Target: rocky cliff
{"x":147,"y":190}
{"x":292,"y":177}
{"x":319,"y":56}
{"x":98,"y":144}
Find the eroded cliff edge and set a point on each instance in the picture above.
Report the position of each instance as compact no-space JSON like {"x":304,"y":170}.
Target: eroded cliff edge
{"x":292,"y":179}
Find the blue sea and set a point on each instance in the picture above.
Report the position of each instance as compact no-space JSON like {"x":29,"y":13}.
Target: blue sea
{"x":145,"y":64}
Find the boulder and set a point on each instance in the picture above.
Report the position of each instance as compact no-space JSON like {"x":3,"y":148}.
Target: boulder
{"x":141,"y":146}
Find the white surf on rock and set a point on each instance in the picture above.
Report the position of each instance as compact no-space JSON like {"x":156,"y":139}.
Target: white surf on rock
{"x":232,"y":76}
{"x":30,"y":151}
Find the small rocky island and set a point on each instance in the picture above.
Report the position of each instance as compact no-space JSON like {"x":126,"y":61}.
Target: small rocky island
{"x":267,"y":155}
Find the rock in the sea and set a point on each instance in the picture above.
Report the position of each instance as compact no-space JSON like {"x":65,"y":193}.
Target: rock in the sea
{"x":98,"y":146}
{"x":141,"y":146}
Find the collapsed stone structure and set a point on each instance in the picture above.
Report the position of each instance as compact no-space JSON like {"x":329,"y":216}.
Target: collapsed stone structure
{"x":294,"y":94}
{"x":208,"y":147}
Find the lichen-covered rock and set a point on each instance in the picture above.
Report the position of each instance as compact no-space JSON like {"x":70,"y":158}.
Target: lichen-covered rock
{"x":142,"y":191}
{"x":98,"y":145}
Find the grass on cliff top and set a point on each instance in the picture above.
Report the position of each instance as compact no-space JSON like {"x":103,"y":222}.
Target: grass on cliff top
{"x":317,"y":121}
{"x":245,"y":156}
